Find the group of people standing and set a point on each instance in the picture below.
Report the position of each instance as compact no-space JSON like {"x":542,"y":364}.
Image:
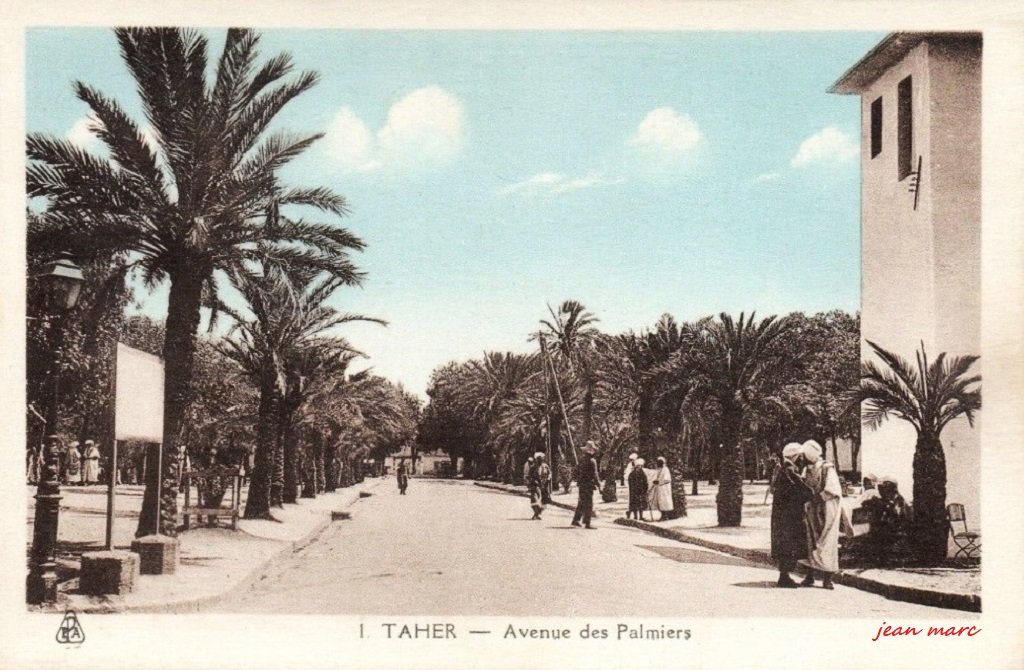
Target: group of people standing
{"x":807,"y":515}
{"x":75,"y":466}
{"x":648,"y":489}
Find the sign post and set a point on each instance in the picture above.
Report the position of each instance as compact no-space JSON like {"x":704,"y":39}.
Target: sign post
{"x":111,"y":486}
{"x":140,"y":416}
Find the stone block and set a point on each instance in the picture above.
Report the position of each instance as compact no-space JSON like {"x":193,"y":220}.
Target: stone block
{"x":158,"y":554}
{"x":108,"y":573}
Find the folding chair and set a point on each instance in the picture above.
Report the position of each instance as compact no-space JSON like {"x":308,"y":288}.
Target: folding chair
{"x":967,"y":542}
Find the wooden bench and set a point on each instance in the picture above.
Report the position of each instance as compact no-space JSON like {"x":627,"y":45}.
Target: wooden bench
{"x":204,"y":481}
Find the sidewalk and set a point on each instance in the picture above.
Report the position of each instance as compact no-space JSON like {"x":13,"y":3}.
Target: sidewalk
{"x":937,"y":587}
{"x":212,"y":561}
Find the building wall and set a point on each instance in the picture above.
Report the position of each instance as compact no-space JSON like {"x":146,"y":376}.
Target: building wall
{"x":921,"y":268}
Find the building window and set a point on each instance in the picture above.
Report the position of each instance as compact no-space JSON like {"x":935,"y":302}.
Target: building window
{"x":876,"y":127}
{"x":905,"y":128}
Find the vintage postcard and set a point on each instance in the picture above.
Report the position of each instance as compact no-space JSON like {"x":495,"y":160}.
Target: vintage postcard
{"x":565,"y":334}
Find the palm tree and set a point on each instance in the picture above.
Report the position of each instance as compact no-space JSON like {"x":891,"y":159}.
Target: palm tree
{"x":307,"y":366}
{"x":739,"y":363}
{"x":928,"y":397}
{"x":275,"y":347}
{"x":498,"y":380}
{"x":203,"y":196}
{"x":573,"y":331}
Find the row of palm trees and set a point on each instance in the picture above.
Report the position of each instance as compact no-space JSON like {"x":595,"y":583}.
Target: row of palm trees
{"x":312,"y":414}
{"x":711,"y":396}
{"x":194,"y":200}
{"x":705,"y":394}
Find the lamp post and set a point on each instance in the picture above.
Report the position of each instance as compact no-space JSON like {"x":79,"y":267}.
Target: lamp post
{"x":61,"y":282}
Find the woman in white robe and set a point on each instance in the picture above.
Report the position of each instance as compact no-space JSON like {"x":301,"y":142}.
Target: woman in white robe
{"x":823,"y":516}
{"x":90,"y":463}
{"x":74,"y":460}
{"x":660,"y":491}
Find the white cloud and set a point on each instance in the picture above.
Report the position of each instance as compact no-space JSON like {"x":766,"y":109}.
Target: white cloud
{"x":767,"y":176}
{"x":350,"y":141}
{"x":553,"y":183}
{"x":81,"y":135}
{"x":426,"y":127}
{"x":667,"y":134}
{"x":830,"y":145}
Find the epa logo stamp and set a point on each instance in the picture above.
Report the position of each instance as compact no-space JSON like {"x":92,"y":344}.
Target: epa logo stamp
{"x":70,"y":631}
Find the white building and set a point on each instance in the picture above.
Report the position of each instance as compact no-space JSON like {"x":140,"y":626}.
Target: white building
{"x":921,"y":247}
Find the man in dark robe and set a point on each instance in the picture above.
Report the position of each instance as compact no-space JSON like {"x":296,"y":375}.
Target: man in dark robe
{"x":789,"y":493}
{"x":587,"y":481}
{"x":637,"y":490}
{"x":403,"y":478}
{"x":540,"y":484}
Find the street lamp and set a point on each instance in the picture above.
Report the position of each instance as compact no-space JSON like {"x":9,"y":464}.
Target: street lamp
{"x":61,"y":282}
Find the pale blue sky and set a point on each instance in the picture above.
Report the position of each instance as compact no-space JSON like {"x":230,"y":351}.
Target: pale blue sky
{"x":491,"y":173}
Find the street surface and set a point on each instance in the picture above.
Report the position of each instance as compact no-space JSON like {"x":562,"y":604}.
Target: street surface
{"x":451,"y":548}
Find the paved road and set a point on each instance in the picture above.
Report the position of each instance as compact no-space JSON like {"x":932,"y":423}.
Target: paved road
{"x":450,"y":548}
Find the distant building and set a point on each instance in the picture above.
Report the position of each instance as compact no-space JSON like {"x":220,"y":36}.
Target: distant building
{"x":427,"y":463}
{"x":921,"y":226}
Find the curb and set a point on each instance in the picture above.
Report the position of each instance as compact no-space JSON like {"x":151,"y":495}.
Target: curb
{"x":193,"y":605}
{"x":910,"y":594}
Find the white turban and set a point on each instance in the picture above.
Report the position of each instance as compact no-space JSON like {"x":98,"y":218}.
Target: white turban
{"x":812,"y":451}
{"x":639,"y":462}
{"x":792,"y":450}
{"x":886,"y":479}
{"x":539,"y":454}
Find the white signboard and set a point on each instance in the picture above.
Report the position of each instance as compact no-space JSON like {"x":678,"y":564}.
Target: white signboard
{"x":139,"y":401}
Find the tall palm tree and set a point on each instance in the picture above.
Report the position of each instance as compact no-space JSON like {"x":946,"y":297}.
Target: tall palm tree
{"x":739,"y":363}
{"x":306,"y":367}
{"x":203,"y":196}
{"x":288,"y":314}
{"x":572,"y":328}
{"x":928,"y":396}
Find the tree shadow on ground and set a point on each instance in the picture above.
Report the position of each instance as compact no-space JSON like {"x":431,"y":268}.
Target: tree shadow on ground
{"x":757,"y":585}
{"x":685,"y":555}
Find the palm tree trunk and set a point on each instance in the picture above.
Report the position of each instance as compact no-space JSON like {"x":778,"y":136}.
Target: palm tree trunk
{"x":277,"y":474}
{"x":588,"y":412}
{"x":556,"y":438}
{"x":179,"y":351}
{"x":321,"y":465}
{"x":730,"y":487}
{"x":696,"y":457}
{"x":645,"y":425}
{"x":291,"y":463}
{"x":929,"y":492}
{"x":257,"y":503}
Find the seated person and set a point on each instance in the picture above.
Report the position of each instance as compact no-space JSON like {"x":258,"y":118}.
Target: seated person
{"x":888,"y":511}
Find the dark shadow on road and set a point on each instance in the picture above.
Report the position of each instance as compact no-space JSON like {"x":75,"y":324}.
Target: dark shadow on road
{"x":685,"y":555}
{"x":758,"y":585}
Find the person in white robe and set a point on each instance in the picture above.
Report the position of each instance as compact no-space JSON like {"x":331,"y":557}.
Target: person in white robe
{"x":90,"y":463}
{"x":660,"y":492}
{"x":823,"y":516}
{"x":74,"y":459}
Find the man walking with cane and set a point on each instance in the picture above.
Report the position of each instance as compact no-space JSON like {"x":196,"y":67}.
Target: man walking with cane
{"x":587,"y":481}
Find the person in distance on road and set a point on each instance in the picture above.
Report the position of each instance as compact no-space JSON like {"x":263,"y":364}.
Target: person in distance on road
{"x":661,"y":491}
{"x":637,"y":490}
{"x":540,"y":485}
{"x":403,"y":478}
{"x":587,"y":481}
